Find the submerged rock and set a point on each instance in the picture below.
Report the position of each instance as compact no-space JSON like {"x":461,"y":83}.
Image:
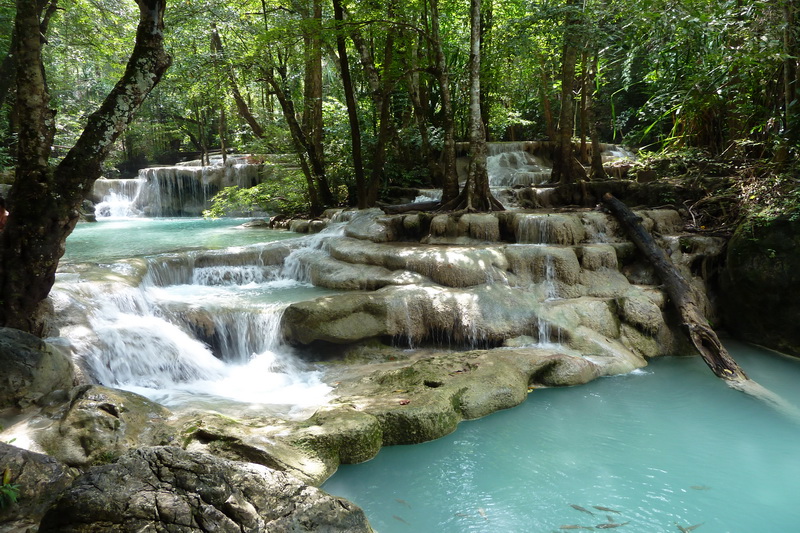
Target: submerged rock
{"x":169,"y":489}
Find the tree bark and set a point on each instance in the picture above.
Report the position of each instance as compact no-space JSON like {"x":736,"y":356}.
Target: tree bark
{"x":352,"y":109}
{"x":44,"y":202}
{"x":790,"y":73}
{"x":299,"y":139}
{"x":680,"y":293}
{"x":584,"y":151}
{"x":381,"y":85}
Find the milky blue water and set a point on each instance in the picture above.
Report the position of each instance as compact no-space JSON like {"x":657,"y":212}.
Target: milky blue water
{"x":664,"y":447}
{"x":119,"y":238}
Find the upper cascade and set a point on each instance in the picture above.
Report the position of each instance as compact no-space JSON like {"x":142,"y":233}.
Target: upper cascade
{"x":185,"y":189}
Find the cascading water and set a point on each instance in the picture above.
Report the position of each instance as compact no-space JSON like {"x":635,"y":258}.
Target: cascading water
{"x":116,"y":197}
{"x":198,"y":335}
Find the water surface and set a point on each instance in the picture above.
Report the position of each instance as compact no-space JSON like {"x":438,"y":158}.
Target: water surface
{"x":119,"y":238}
{"x":670,"y":445}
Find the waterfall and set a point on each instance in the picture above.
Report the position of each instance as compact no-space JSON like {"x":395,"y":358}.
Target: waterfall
{"x":116,"y":197}
{"x":191,"y":333}
{"x":516,"y":168}
{"x":185,"y":189}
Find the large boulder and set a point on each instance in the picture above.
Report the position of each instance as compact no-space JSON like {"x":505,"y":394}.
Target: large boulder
{"x":32,"y":369}
{"x":39,"y":480}
{"x":171,"y":490}
{"x":760,"y":284}
{"x":99,"y":424}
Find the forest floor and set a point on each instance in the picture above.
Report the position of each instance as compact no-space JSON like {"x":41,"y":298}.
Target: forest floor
{"x":734,"y":187}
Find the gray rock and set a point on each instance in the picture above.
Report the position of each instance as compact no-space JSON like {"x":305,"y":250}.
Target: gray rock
{"x":39,"y":478}
{"x":167,"y":489}
{"x":100,"y":424}
{"x":32,"y":369}
{"x":760,"y":284}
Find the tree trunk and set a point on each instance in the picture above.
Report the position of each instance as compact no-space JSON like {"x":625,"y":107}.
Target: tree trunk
{"x":476,"y":195}
{"x":597,"y":172}
{"x":584,"y":151}
{"x":449,"y":173}
{"x":241,"y":105}
{"x":45,"y":202}
{"x":566,"y":168}
{"x":381,"y":85}
{"x":352,"y":109}
{"x":550,"y":129}
{"x":299,"y":140}
{"x":790,"y":80}
{"x":312,"y":99}
{"x":680,"y":293}
{"x":8,"y":68}
{"x":487,"y":77}
{"x":420,"y":116}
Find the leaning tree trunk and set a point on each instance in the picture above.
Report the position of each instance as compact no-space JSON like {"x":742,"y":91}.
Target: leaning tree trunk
{"x":44,"y":202}
{"x":681,"y":293}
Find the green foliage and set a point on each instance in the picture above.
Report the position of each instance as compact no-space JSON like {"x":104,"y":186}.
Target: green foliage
{"x":284,"y":193}
{"x":9,"y":492}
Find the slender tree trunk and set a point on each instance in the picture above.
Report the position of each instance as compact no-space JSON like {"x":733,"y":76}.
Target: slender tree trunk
{"x":550,"y":128}
{"x":487,"y":78}
{"x":299,"y":139}
{"x":221,"y":131}
{"x":476,"y":195}
{"x":681,"y":294}
{"x":790,"y":72}
{"x":241,"y":104}
{"x":414,"y":83}
{"x":584,"y":151}
{"x":381,"y":85}
{"x":45,"y":202}
{"x":597,"y":171}
{"x":566,"y":168}
{"x":312,"y":99}
{"x":449,"y":171}
{"x":352,"y":109}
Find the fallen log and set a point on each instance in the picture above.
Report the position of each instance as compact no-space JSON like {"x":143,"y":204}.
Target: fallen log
{"x":398,"y":209}
{"x":680,"y":292}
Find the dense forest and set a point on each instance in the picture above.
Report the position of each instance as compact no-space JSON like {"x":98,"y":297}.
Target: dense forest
{"x":367,"y":95}
{"x":374,"y":91}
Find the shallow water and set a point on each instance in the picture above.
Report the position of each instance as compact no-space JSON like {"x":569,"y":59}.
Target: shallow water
{"x":119,"y":238}
{"x":670,"y":445}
